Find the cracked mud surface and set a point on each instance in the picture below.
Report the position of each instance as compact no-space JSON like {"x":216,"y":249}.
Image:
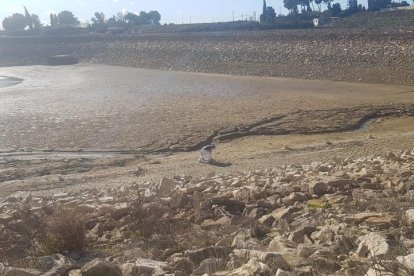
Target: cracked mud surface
{"x":103,"y":126}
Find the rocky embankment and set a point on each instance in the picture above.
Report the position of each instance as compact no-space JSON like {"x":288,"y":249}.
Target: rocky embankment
{"x":382,"y":56}
{"x":347,"y":217}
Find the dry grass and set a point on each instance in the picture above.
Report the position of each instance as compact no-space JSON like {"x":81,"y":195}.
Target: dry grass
{"x":63,"y":232}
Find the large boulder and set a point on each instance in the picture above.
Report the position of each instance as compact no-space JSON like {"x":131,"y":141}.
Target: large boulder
{"x":282,"y":245}
{"x":253,"y":267}
{"x":182,"y":264}
{"x":407,"y":261}
{"x":373,"y":245}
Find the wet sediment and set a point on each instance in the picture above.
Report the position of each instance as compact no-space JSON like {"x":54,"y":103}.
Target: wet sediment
{"x":305,"y":122}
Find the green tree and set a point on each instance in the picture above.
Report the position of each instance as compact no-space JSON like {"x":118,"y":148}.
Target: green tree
{"x":328,"y":3}
{"x":99,"y":22}
{"x":336,"y":9}
{"x":154,"y":17}
{"x":132,"y":19}
{"x":16,"y":22}
{"x":352,"y":6}
{"x":99,"y":19}
{"x":54,"y":20}
{"x":375,"y":5}
{"x":117,"y":20}
{"x":319,"y":4}
{"x":36,"y":22}
{"x":269,"y":16}
{"x":67,"y":19}
{"x":291,"y":5}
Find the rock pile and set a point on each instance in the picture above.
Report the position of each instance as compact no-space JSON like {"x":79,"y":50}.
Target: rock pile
{"x":347,"y":54}
{"x":347,"y":217}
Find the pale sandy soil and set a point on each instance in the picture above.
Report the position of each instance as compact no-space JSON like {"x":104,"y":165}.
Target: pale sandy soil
{"x":103,"y":108}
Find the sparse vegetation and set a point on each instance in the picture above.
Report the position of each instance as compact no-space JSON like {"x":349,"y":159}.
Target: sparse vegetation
{"x":63,"y":232}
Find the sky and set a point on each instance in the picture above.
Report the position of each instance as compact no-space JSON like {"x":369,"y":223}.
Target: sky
{"x":172,"y":11}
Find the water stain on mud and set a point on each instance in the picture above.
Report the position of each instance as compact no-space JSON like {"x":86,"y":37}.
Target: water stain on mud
{"x":9,"y":81}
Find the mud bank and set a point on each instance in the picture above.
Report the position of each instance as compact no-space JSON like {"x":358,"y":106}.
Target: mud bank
{"x":117,"y":109}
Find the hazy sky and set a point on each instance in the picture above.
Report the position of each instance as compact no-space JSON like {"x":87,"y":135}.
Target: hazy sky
{"x":174,"y":11}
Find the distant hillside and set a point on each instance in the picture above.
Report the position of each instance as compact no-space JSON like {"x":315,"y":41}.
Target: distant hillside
{"x":387,"y":19}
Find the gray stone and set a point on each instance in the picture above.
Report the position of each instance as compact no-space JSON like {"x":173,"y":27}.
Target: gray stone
{"x":99,"y":267}
{"x":281,"y":272}
{"x":409,"y":215}
{"x":340,"y":183}
{"x":325,"y":235}
{"x":152,"y":266}
{"x":294,"y":197}
{"x":197,"y":256}
{"x":297,"y":236}
{"x":210,"y":266}
{"x":253,"y":267}
{"x":53,"y":261}
{"x":75,"y":272}
{"x":166,"y":186}
{"x":183,"y":264}
{"x":306,"y":250}
{"x":362,"y":250}
{"x":106,"y":199}
{"x":376,"y":243}
{"x":407,"y":261}
{"x":282,"y":245}
{"x":318,"y":188}
{"x":278,"y":214}
{"x":378,"y":270}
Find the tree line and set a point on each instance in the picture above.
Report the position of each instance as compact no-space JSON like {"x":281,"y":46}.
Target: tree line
{"x":313,"y":8}
{"x":18,"y":22}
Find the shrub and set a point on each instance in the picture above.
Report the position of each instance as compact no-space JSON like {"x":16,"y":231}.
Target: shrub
{"x":63,"y":232}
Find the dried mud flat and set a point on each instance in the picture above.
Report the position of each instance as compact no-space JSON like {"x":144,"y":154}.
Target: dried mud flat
{"x":107,"y":108}
{"x":99,"y":124}
{"x":102,"y":137}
